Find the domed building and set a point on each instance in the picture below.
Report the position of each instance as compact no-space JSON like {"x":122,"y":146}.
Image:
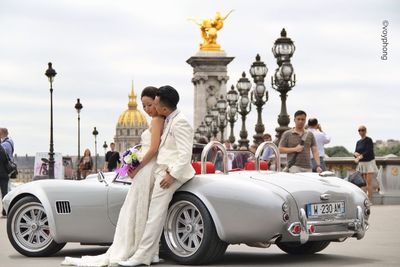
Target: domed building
{"x":131,"y":123}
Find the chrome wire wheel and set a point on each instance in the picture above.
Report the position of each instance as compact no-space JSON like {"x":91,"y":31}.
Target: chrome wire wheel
{"x":30,"y":227}
{"x":184,"y":228}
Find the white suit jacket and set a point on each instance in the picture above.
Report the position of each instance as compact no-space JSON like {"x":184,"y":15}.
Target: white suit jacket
{"x":175,"y":149}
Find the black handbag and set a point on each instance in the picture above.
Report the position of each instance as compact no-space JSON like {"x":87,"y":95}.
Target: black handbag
{"x":357,"y":179}
{"x":11,"y":167}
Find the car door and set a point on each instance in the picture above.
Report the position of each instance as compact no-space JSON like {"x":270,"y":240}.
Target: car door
{"x":116,"y":194}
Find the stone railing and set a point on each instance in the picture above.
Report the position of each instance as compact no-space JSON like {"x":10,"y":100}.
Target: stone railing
{"x":388,"y":177}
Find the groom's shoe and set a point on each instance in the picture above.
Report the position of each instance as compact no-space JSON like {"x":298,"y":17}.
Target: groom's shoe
{"x":129,"y":263}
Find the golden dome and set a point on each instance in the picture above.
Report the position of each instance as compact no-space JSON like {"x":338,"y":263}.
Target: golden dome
{"x":132,"y":116}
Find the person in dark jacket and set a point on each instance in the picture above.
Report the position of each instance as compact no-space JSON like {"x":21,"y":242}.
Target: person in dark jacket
{"x":4,"y":179}
{"x":365,"y":157}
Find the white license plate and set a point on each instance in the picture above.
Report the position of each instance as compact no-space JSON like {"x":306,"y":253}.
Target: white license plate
{"x":320,"y":209}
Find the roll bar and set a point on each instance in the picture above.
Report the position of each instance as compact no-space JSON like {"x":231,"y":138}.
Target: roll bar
{"x":204,"y":154}
{"x":260,"y":150}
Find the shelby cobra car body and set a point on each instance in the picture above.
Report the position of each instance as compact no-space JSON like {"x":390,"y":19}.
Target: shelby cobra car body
{"x":300,"y":213}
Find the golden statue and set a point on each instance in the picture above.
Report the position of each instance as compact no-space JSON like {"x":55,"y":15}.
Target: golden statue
{"x":209,"y":29}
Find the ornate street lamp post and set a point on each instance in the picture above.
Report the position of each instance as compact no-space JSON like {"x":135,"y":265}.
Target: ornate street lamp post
{"x":95,"y":133}
{"x":243,"y":86}
{"x":259,"y":95}
{"x":232,"y":97}
{"x":51,"y":73}
{"x":284,"y":79}
{"x":105,"y":147}
{"x":222,"y":120}
{"x":209,"y":119}
{"x":78,"y":107}
{"x":202,"y":129}
{"x":214,"y":123}
{"x":197,"y":135}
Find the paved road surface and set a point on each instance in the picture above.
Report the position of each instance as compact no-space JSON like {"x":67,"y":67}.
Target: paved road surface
{"x":380,"y":247}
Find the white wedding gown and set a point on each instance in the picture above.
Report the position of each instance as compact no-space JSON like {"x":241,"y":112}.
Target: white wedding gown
{"x":132,"y":218}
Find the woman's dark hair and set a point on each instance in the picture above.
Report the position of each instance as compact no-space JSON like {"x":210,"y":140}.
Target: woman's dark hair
{"x":299,"y":112}
{"x":169,"y":97}
{"x":149,"y":91}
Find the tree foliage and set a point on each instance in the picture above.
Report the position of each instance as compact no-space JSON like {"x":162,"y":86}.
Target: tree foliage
{"x":337,"y":151}
{"x":383,"y":151}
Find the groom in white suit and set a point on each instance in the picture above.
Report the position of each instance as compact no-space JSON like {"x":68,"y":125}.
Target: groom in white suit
{"x":174,"y":169}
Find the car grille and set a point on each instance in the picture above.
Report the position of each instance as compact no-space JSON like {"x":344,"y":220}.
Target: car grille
{"x":63,"y":207}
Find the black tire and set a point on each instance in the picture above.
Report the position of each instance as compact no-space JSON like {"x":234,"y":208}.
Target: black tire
{"x":310,"y":247}
{"x":37,"y":240}
{"x":209,"y":249}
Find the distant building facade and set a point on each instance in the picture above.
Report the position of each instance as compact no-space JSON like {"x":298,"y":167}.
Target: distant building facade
{"x":387,"y":143}
{"x":131,"y":124}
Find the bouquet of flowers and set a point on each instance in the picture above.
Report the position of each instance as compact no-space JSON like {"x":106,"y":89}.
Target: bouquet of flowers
{"x":130,"y":160}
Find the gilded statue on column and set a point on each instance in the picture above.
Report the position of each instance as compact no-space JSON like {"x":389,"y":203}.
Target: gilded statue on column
{"x":209,"y":29}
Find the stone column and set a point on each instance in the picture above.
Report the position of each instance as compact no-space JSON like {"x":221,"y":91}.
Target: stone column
{"x":209,"y":80}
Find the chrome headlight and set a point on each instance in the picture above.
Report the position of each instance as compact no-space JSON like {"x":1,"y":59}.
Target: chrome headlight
{"x":367,"y":203}
{"x":285,"y":207}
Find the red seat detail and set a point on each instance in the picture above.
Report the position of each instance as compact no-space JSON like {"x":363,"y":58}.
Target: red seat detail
{"x":251,"y":165}
{"x":210,"y":168}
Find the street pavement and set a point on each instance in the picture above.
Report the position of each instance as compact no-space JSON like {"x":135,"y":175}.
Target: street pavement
{"x":380,"y":247}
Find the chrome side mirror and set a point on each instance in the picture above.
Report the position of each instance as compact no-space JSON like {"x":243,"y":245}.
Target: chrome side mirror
{"x":274,"y":148}
{"x":101,"y":178}
{"x":204,"y":154}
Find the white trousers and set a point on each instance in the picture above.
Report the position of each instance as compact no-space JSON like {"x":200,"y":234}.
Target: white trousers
{"x":160,"y":199}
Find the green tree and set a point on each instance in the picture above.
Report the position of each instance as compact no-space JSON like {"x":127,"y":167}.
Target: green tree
{"x":383,"y":151}
{"x":337,"y":151}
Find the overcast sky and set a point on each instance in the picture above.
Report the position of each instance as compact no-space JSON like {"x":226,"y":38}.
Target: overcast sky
{"x":98,"y":47}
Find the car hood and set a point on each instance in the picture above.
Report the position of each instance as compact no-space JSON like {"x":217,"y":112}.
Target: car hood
{"x":48,"y":185}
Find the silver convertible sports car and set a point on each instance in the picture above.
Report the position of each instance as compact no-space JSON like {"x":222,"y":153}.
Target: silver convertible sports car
{"x":300,"y":213}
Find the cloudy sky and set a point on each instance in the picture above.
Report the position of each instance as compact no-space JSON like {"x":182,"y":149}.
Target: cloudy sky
{"x":98,"y":47}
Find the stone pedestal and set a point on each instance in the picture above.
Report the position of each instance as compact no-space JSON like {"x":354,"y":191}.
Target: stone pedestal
{"x":209,"y":80}
{"x":389,"y":182}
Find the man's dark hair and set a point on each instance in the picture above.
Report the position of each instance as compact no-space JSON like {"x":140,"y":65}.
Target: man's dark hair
{"x":150,"y":91}
{"x":312,"y":122}
{"x":299,"y":113}
{"x":169,"y":97}
{"x":112,"y":143}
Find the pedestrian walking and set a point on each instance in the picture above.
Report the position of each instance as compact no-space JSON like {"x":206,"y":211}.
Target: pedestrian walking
{"x":86,"y":163}
{"x":297,"y":143}
{"x":365,"y":157}
{"x":112,"y":159}
{"x":322,"y":139}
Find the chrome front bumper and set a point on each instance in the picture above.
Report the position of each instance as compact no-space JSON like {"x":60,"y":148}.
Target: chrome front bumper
{"x":345,"y":228}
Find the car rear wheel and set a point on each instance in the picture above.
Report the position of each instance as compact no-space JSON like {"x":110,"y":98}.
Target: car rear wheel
{"x":189,"y":233}
{"x":310,"y":247}
{"x":28,"y":229}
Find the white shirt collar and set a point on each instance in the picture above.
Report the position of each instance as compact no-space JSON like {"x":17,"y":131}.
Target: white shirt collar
{"x":170,"y":116}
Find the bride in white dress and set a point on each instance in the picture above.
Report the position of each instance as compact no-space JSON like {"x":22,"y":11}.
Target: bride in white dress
{"x":133,"y":214}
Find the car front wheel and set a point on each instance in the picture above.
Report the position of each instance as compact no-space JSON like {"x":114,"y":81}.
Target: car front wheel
{"x":189,"y":233}
{"x":28,"y":229}
{"x":310,"y":247}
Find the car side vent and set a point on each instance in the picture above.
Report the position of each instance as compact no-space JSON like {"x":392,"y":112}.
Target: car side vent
{"x":63,"y":207}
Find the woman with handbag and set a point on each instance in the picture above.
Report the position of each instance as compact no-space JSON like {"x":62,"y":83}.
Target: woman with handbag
{"x":86,"y":163}
{"x":365,"y":157}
